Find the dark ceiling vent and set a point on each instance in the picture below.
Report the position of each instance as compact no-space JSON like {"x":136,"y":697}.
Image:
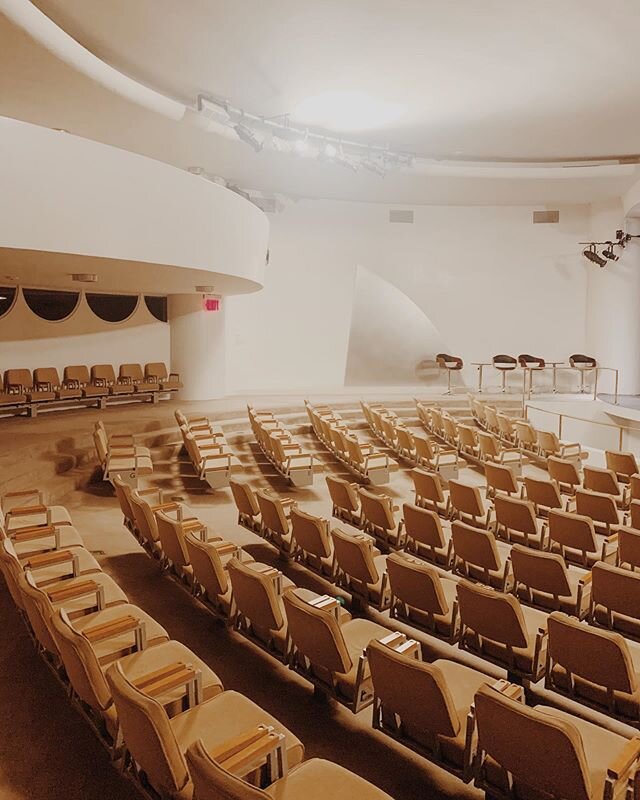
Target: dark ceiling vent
{"x":541,"y":217}
{"x":401,"y":215}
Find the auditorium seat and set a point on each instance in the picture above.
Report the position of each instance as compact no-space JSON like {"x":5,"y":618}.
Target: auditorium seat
{"x":246,"y":503}
{"x":544,"y":581}
{"x":615,"y":600}
{"x":369,"y":464}
{"x":565,"y":473}
{"x":601,"y":508}
{"x":491,"y":418}
{"x":49,"y":567}
{"x":438,"y":459}
{"x":516,"y":521}
{"x":312,"y":545}
{"x":28,"y":508}
{"x":545,"y":752}
{"x":158,"y":743}
{"x":345,"y":500}
{"x":426,"y":536}
{"x":199,"y":426}
{"x":104,"y":376}
{"x":526,"y":436}
{"x":329,"y":652}
{"x":20,"y":381}
{"x":468,"y":506}
{"x":123,"y":494}
{"x":545,"y":496}
{"x":47,"y":379}
{"x":125,"y":459}
{"x":171,"y":536}
{"x":275,"y":524}
{"x":78,"y":376}
{"x":478,"y":556}
{"x":430,"y":493}
{"x":628,"y":553}
{"x":574,"y":537}
{"x":605,"y":481}
{"x":550,"y":445}
{"x":11,"y":396}
{"x":30,"y":541}
{"x":133,"y":375}
{"x":507,"y":429}
{"x":378,"y":519}
{"x":360,"y":569}
{"x":423,"y":597}
{"x":425,"y":706}
{"x":500,"y":478}
{"x":498,"y":629}
{"x":146,"y":524}
{"x":492,"y":451}
{"x":467,"y":441}
{"x":622,"y":463}
{"x":210,"y":458}
{"x":596,"y":667}
{"x":156,"y":372}
{"x":315,"y":779}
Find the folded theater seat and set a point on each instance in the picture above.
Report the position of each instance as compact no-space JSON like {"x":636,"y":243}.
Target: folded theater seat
{"x":157,"y":743}
{"x":544,"y":752}
{"x":11,"y":396}
{"x":121,"y":457}
{"x":172,"y":538}
{"x":605,"y":481}
{"x":425,"y":706}
{"x":426,"y":535}
{"x":47,"y":379}
{"x":77,"y":377}
{"x":210,"y":457}
{"x":545,"y":496}
{"x":430,"y":492}
{"x":501,"y":479}
{"x":49,"y":567}
{"x":247,"y":504}
{"x":312,"y":542}
{"x":423,"y":597}
{"x":133,"y":375}
{"x":145,"y":505}
{"x":275,"y":525}
{"x":622,"y":463}
{"x":20,"y":382}
{"x":345,"y":500}
{"x":157,"y":373}
{"x":615,"y":600}
{"x":217,"y":778}
{"x":602,"y":509}
{"x":468,"y":506}
{"x":516,"y":522}
{"x":329,"y":649}
{"x":565,"y":473}
{"x":574,"y":537}
{"x":104,"y":376}
{"x":478,"y":556}
{"x":360,"y":569}
{"x":379,"y":521}
{"x":425,"y":453}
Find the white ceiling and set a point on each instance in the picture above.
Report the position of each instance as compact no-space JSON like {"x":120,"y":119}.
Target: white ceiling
{"x":479,"y":80}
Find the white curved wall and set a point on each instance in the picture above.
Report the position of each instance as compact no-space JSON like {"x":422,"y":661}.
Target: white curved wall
{"x":66,"y":194}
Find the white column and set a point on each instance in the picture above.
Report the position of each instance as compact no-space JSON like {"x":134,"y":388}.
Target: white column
{"x":613,"y":321}
{"x":198,"y":348}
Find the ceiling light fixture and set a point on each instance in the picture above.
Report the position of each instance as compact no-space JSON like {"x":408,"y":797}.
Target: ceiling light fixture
{"x":592,"y":254}
{"x":609,"y":253}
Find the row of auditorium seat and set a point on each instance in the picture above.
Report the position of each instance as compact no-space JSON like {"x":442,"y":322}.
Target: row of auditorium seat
{"x":207,"y":449}
{"x":119,"y":455}
{"x":431,"y":708}
{"x":278,"y":445}
{"x":160,"y":710}
{"x":23,"y":389}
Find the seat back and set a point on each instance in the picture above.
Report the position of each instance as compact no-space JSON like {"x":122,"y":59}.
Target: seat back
{"x":123,"y":495}
{"x":548,"y":442}
{"x":538,"y":750}
{"x":492,"y":614}
{"x":526,"y":433}
{"x":601,"y":480}
{"x":629,"y":547}
{"x":416,"y":583}
{"x":343,"y":494}
{"x":505,"y":426}
{"x":423,"y":448}
{"x":516,"y":515}
{"x":491,"y":417}
{"x":148,"y":734}
{"x":354,"y":556}
{"x":500,"y":478}
{"x":156,"y":371}
{"x":103,"y":372}
{"x":311,"y":533}
{"x":272,"y":511}
{"x":543,"y":493}
{"x":574,"y":531}
{"x":316,"y":634}
{"x":131,"y":372}
{"x":423,"y":526}
{"x":428,"y":486}
{"x":467,"y":437}
{"x":39,"y":610}
{"x":77,"y":372}
{"x":503,"y":361}
{"x":207,"y":566}
{"x":540,"y":571}
{"x":489,"y":447}
{"x":213,"y":782}
{"x":48,"y":376}
{"x":599,"y":656}
{"x":172,"y":541}
{"x":621,"y":463}
{"x":377,"y":510}
{"x":526,"y":360}
{"x":255,"y":597}
{"x":563,"y":471}
{"x":417,"y":692}
{"x":618,"y":590}
{"x":145,"y":518}
{"x":406,"y":440}
{"x":466,"y":499}
{"x":18,"y":379}
{"x":244,"y":497}
{"x":600,"y":507}
{"x":475,"y":546}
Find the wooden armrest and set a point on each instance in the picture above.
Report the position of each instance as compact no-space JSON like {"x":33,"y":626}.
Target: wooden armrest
{"x":587,"y":578}
{"x":128,"y":436}
{"x":48,"y":559}
{"x":153,"y":490}
{"x":165,"y":679}
{"x":266,"y":569}
{"x":25,"y":511}
{"x":511,"y":690}
{"x":625,"y":759}
{"x":58,"y":593}
{"x":224,"y":548}
{"x":212,"y":446}
{"x":324,"y":601}
{"x":27,"y":534}
{"x":166,"y":507}
{"x":23,"y":493}
{"x":237,"y":753}
{"x":393,"y":639}
{"x":98,"y":633}
{"x":288,"y":501}
{"x":193,"y":525}
{"x":612,"y":537}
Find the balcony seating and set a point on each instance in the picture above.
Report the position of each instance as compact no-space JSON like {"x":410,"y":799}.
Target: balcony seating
{"x":574,"y":537}
{"x":360,"y":569}
{"x":467,"y":504}
{"x":516,"y":521}
{"x":498,"y":629}
{"x":423,"y":597}
{"x":156,"y":372}
{"x":544,"y":581}
{"x":329,"y":652}
{"x":615,"y":600}
{"x":425,"y":535}
{"x":545,"y":752}
{"x":378,"y":520}
{"x":596,"y":667}
{"x":425,"y":706}
{"x":478,"y":556}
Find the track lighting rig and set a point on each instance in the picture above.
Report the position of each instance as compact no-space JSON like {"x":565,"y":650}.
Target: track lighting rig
{"x":608,"y":253}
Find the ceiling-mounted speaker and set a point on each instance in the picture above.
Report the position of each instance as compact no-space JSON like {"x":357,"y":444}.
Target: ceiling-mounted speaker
{"x":542,"y":217}
{"x":401,"y":215}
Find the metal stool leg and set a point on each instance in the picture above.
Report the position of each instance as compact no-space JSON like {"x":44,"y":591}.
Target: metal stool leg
{"x":581,"y":381}
{"x":504,"y":380}
{"x":448,"y":382}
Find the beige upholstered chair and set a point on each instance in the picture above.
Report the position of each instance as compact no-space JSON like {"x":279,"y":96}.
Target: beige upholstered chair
{"x":601,"y":508}
{"x":497,"y":628}
{"x":596,"y":667}
{"x":11,"y":396}
{"x":171,"y":535}
{"x":500,"y":478}
{"x":422,"y":597}
{"x":565,"y":473}
{"x":622,"y":463}
{"x":526,"y":436}
{"x":47,"y":379}
{"x":103,"y":376}
{"x":157,"y":744}
{"x":443,"y":460}
{"x":516,"y":521}
{"x":209,"y":561}
{"x":468,"y":441}
{"x":425,"y":706}
{"x":468,"y":506}
{"x":21,"y":382}
{"x":28,"y":508}
{"x":157,"y":372}
{"x":478,"y":556}
{"x":507,"y":429}
{"x":378,"y":519}
{"x":144,"y":515}
{"x":360,"y":569}
{"x":78,"y":376}
{"x":628,"y":553}
{"x":329,"y":652}
{"x":275,"y":525}
{"x":312,"y":542}
{"x":605,"y":481}
{"x":133,"y":375}
{"x":544,"y":581}
{"x":615,"y":599}
{"x":426,"y":536}
{"x":345,"y":500}
{"x":574,"y":537}
{"x":246,"y":503}
{"x":491,"y":418}
{"x":550,"y":445}
{"x":49,"y":567}
{"x":544,"y":752}
{"x":492,"y":451}
{"x":544,"y":494}
{"x":430,"y":493}
{"x":210,"y":457}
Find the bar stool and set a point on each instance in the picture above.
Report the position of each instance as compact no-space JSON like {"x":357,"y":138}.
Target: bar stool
{"x":583,"y":364}
{"x":530,"y":363}
{"x":505,"y":364}
{"x":451,"y":364}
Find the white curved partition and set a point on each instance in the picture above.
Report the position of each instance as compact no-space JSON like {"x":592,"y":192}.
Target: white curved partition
{"x":109,"y":207}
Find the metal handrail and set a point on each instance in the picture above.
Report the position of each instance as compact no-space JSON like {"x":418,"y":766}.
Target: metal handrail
{"x":562,"y":416}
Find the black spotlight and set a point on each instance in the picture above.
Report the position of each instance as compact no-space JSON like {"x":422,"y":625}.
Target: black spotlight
{"x":593,"y":256}
{"x":608,"y":252}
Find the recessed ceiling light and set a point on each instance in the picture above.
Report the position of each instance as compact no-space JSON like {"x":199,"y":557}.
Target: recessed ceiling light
{"x":347,"y":111}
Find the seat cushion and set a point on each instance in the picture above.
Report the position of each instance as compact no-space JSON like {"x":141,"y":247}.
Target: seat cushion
{"x":7,"y":399}
{"x":121,"y":388}
{"x":318,"y":779}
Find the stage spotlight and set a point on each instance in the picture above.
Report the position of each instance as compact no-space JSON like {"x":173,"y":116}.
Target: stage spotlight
{"x":609,"y":253}
{"x":593,"y":256}
{"x":249,"y":137}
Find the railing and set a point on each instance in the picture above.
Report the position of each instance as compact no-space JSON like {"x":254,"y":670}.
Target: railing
{"x":562,"y":417}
